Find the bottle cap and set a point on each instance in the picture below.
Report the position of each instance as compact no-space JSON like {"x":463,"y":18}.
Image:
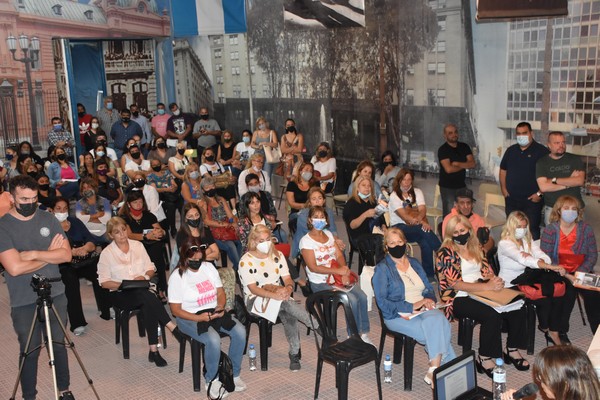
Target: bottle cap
{"x":499,"y":362}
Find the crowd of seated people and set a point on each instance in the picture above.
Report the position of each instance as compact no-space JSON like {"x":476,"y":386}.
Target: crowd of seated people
{"x":228,"y":235}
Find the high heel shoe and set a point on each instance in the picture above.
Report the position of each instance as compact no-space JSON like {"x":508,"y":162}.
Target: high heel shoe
{"x":547,"y":336}
{"x":428,"y":378}
{"x":481,"y":369}
{"x":519,"y":363}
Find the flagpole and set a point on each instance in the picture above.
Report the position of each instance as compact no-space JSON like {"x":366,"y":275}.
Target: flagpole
{"x":249,"y":71}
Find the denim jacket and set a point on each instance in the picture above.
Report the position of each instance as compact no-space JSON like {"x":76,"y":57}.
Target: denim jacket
{"x":389,"y":287}
{"x":54,"y":173}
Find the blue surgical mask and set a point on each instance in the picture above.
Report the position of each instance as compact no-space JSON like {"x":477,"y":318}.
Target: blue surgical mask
{"x":57,"y":127}
{"x":569,"y":216}
{"x":161,"y":111}
{"x":523,"y":140}
{"x":246,"y":139}
{"x":364,"y":196}
{"x":109,"y":106}
{"x":319,"y":223}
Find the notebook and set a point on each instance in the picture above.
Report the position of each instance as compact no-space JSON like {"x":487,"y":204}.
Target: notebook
{"x":457,"y":380}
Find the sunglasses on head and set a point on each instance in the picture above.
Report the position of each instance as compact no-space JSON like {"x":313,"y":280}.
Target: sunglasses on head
{"x":196,"y":249}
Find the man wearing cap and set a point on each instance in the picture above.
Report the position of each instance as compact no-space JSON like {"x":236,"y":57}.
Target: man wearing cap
{"x":517,"y":177}
{"x":463,"y":205}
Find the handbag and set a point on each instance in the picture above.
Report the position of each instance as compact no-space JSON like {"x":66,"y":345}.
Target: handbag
{"x":535,"y":292}
{"x":335,"y":280}
{"x":538,"y":283}
{"x":225,"y":374}
{"x":272,"y":154}
{"x":266,"y":307}
{"x":132,"y":284}
{"x":280,"y":169}
{"x":223,"y":180}
{"x":224,"y":233}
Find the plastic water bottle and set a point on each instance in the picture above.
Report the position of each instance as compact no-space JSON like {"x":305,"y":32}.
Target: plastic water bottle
{"x":252,"y":357}
{"x":387,"y":369}
{"x":499,"y":379}
{"x":159,"y":344}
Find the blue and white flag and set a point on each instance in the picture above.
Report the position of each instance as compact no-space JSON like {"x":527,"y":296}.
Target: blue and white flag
{"x":208,"y":17}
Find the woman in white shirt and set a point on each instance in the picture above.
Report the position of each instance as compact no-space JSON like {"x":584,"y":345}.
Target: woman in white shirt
{"x":325,"y":163}
{"x":197,"y":301}
{"x":516,"y":251}
{"x":409,"y":213}
{"x":125,"y":259}
{"x":242,"y":152}
{"x":261,"y":270}
{"x":255,"y":166}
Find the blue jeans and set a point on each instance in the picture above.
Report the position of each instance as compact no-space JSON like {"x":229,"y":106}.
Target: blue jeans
{"x":233,"y":248}
{"x":358,"y":304}
{"x":431,"y":329}
{"x":428,"y":242}
{"x":21,"y":318}
{"x":212,"y":345}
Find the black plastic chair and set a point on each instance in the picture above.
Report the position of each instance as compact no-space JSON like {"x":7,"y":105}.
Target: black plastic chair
{"x":345,"y":355}
{"x":122,"y":328}
{"x":401,"y":342}
{"x":197,"y":350}
{"x":353,"y":248}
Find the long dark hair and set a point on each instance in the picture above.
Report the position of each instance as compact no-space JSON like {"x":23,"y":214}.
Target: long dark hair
{"x":185,"y":228}
{"x":384,"y":155}
{"x":31,"y":150}
{"x":186,"y":250}
{"x":245,"y":204}
{"x":398,"y":180}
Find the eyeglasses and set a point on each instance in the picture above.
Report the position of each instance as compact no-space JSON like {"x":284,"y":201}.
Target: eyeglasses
{"x":195,"y":249}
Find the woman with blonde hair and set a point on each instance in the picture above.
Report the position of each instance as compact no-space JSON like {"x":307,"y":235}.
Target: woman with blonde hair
{"x":261,"y":271}
{"x":190,"y":189}
{"x":360,"y":215}
{"x":263,"y":137}
{"x":401,"y":287}
{"x":570,"y":242}
{"x":463,"y":269}
{"x":517,"y":251}
{"x":365,"y":168}
{"x":256,"y":165}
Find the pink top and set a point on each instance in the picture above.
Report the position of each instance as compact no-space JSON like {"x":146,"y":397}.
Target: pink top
{"x":67,"y":173}
{"x":159,"y":123}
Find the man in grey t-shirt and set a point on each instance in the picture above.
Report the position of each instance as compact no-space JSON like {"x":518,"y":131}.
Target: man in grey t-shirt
{"x":206,"y":131}
{"x":32,"y":241}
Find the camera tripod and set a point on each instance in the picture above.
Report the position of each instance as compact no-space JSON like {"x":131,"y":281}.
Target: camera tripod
{"x":42,"y":315}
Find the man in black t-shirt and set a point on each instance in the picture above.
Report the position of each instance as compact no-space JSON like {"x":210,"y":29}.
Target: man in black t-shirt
{"x":179,"y":126}
{"x":455,"y":158}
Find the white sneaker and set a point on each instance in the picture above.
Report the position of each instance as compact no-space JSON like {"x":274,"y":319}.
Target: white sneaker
{"x":240,"y":386}
{"x":365,"y":338}
{"x":80,"y":330}
{"x":217,"y":390}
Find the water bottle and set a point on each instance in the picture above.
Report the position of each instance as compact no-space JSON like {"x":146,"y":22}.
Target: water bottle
{"x":387,"y":369}
{"x":159,"y":344}
{"x":252,"y":358}
{"x":499,"y":379}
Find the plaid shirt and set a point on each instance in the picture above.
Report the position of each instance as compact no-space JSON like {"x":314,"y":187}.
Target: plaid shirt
{"x":61,"y":136}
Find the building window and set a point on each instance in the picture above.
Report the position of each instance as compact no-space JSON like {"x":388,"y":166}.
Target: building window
{"x":89,"y":14}
{"x":219,"y":80}
{"x":411,"y":70}
{"x":441,"y":97}
{"x":218,"y":53}
{"x":219,"y":67}
{"x":441,"y":68}
{"x":252,"y":69}
{"x":410,"y":97}
{"x":441,"y":46}
{"x":442,"y":23}
{"x":217,"y":40}
{"x":57,"y":9}
{"x":233,"y":40}
{"x":431,"y":97}
{"x":141,"y":8}
{"x":235,"y":55}
{"x":433,"y":4}
{"x":431,"y":68}
{"x":235,"y":70}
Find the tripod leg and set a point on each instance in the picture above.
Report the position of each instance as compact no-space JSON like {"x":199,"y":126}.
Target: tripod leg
{"x":70,"y":344}
{"x":51,"y":345}
{"x":23,"y":356}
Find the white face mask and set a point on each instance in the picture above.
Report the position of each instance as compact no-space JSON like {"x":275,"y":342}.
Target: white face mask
{"x":264,"y":247}
{"x":95,"y":125}
{"x":520,"y":233}
{"x":523,"y":140}
{"x":176,"y":112}
{"x":254,"y":189}
{"x":61,"y":216}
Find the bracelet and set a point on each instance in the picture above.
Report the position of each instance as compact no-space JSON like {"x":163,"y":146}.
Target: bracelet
{"x":209,"y":317}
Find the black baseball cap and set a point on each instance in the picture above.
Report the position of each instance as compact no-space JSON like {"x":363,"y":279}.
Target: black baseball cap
{"x":464,"y":192}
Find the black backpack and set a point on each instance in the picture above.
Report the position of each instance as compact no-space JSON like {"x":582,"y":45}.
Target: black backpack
{"x":225,"y":375}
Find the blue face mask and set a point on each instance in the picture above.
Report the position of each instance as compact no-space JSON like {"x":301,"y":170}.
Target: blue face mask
{"x":246,"y":139}
{"x":569,"y":216}
{"x":161,"y":111}
{"x":364,"y":196}
{"x":57,"y":127}
{"x":319,"y":223}
{"x":522,"y":140}
{"x":109,"y":106}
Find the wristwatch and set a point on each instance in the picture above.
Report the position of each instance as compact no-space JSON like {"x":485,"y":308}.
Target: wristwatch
{"x":539,"y":194}
{"x":554,"y":180}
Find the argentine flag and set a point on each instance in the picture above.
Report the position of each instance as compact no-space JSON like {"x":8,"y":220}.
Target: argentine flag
{"x":207,"y":17}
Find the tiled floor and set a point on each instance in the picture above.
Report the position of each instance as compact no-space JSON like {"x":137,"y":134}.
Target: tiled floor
{"x":116,"y":378}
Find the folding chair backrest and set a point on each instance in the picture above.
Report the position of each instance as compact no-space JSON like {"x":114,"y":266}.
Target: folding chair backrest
{"x":493,"y":199}
{"x":322,"y":307}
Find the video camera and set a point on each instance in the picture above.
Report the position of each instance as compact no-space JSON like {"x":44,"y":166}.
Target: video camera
{"x":41,"y":285}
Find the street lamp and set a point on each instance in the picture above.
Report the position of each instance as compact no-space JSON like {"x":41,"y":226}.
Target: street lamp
{"x":31,"y":50}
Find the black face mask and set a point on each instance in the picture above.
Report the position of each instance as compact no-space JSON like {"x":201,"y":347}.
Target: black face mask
{"x":181,"y":151}
{"x":194,"y":264}
{"x":61,"y":157}
{"x":291,"y":129}
{"x":227,"y":140}
{"x":139,"y":183}
{"x":322,"y":154}
{"x":397,"y":251}
{"x":27,"y":210}
{"x":161,"y":145}
{"x":194,"y":223}
{"x":211,"y":192}
{"x":204,"y":116}
{"x":135,"y":156}
{"x":135,"y":113}
{"x":101,"y":143}
{"x":157,"y":168}
{"x":210,"y":158}
{"x":386,"y":163}
{"x":81,"y":114}
{"x":45,"y":187}
{"x":32,"y":174}
{"x":462,"y":239}
{"x":125,"y":119}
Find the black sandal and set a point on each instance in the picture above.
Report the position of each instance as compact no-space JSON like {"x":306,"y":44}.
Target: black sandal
{"x":481,"y":369}
{"x":519,"y":363}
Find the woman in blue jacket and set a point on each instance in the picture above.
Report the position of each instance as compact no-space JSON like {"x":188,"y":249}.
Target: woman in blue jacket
{"x":63,"y":174}
{"x":401,"y":288}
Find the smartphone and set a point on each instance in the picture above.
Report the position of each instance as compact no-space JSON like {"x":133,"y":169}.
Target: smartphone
{"x":146,"y":231}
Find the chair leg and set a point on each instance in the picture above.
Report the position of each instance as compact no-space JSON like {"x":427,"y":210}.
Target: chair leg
{"x":318,"y":377}
{"x":125,"y":333}
{"x":468,"y":325}
{"x":382,"y":345}
{"x":342,"y":373}
{"x":263,"y":329}
{"x":399,"y":342}
{"x":163,"y":330}
{"x":581,"y":309}
{"x":117,"y":326}
{"x":182,"y":346}
{"x":530,"y":312}
{"x":409,"y":355}
{"x":140,"y":321}
{"x":248,"y":325}
{"x":196,"y":354}
{"x":378,"y":375}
